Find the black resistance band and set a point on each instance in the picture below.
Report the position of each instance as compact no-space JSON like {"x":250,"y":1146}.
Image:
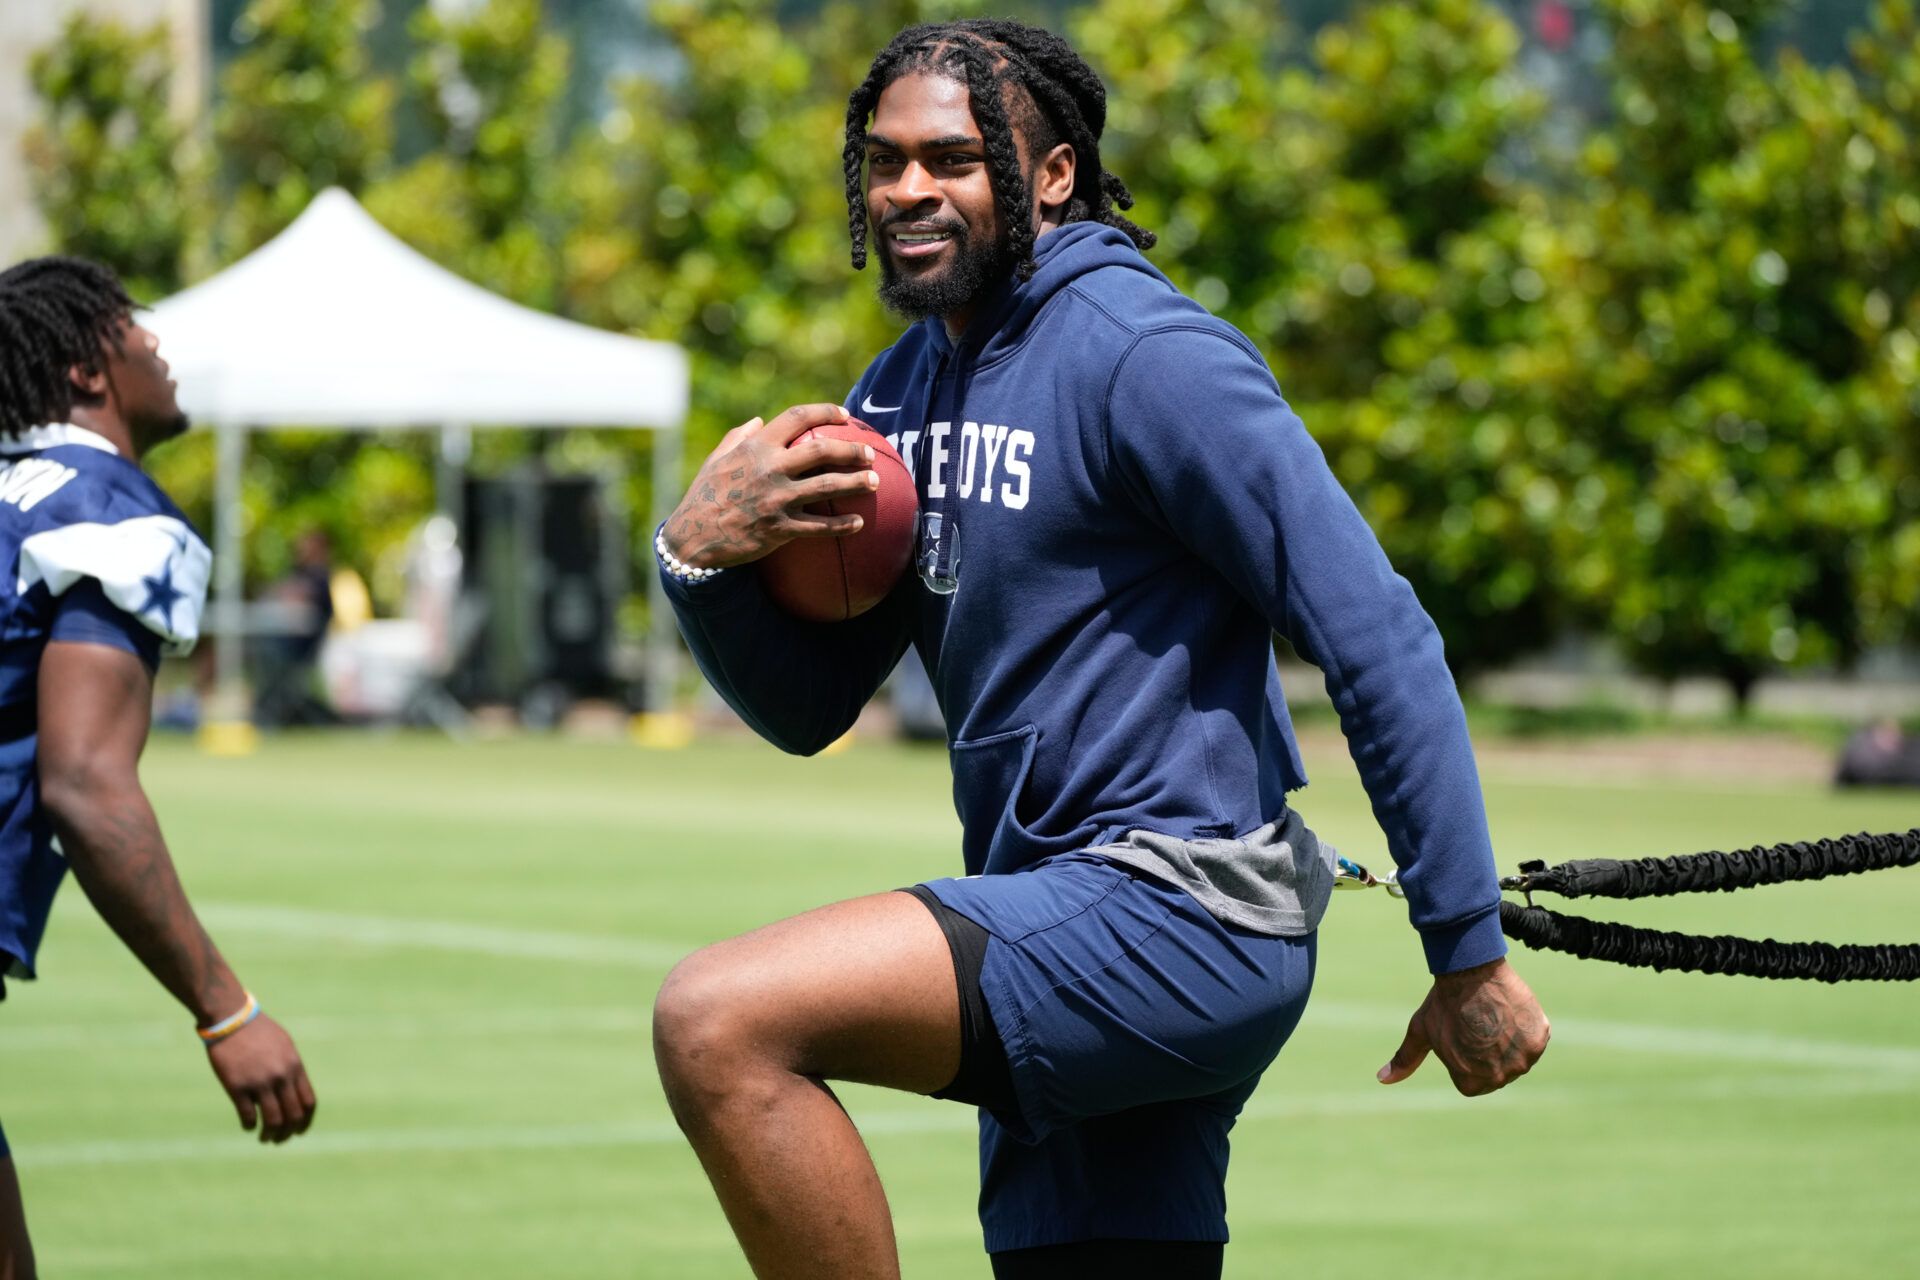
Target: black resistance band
{"x":1712,"y":872}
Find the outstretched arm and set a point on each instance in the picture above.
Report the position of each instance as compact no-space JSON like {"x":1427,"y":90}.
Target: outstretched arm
{"x":95,"y":704}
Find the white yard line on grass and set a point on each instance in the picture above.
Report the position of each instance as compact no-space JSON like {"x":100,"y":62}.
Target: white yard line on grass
{"x":1375,"y":1102}
{"x":659,"y":954}
{"x":1665,"y":1041}
{"x":320,"y":1143}
{"x":1759,"y":1048}
{"x":442,"y":935}
{"x":613,"y":1020}
{"x":873,"y":1124}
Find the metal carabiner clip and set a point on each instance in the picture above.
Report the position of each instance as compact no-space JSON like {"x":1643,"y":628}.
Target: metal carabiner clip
{"x":1349,"y":874}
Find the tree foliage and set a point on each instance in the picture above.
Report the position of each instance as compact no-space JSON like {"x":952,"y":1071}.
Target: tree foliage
{"x":1355,"y":207}
{"x":1732,"y":284}
{"x":298,"y":112}
{"x":481,"y":199}
{"x":106,"y":157}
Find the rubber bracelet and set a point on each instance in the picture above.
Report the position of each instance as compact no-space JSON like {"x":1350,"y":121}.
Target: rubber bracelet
{"x":227,"y":1026}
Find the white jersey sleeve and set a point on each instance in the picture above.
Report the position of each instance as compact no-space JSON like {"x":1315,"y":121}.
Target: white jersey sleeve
{"x":155,"y":567}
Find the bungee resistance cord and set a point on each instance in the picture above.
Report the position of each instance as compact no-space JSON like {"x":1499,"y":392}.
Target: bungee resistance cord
{"x":1711,"y":872}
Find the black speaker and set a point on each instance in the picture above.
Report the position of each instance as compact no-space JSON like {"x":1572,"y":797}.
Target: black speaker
{"x":546,"y":566}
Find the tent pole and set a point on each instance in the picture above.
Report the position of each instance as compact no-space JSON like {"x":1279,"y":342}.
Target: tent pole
{"x":663,"y":645}
{"x":228,"y":658}
{"x":227,"y":724}
{"x":456,"y":448}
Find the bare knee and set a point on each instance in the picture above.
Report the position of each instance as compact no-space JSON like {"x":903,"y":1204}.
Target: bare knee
{"x":707,"y":1042}
{"x":684,"y":1012}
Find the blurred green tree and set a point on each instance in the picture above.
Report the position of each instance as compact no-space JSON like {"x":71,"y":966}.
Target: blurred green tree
{"x":1884,"y":310}
{"x":1200,"y":126}
{"x":1730,"y":281}
{"x":106,"y":157}
{"x":1357,"y":209}
{"x":298,"y":112}
{"x":490,"y":85}
{"x":1412,"y":298}
{"x":111,"y":177}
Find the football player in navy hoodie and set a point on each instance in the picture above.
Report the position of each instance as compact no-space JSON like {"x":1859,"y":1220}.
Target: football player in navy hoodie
{"x":1118,"y":510}
{"x":102,"y":575}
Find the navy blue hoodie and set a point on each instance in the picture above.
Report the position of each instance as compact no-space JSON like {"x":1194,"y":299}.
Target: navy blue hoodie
{"x":1136,"y":509}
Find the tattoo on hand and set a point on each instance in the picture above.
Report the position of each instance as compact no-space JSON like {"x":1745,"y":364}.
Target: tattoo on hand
{"x":1483,"y":1026}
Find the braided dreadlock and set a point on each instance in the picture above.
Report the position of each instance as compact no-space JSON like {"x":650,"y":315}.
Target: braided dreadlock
{"x":1054,"y":94}
{"x":56,"y":314}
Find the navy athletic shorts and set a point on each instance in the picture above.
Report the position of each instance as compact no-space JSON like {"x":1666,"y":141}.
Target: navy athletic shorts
{"x":1135,"y":1028}
{"x":5,"y":1150}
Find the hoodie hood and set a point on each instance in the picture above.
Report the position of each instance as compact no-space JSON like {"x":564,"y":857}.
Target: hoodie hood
{"x":1007,"y":310}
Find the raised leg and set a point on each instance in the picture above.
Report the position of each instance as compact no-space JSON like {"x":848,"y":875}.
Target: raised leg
{"x":745,"y":1034}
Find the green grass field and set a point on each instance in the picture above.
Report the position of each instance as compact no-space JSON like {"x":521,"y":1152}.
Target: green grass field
{"x":465,"y":941}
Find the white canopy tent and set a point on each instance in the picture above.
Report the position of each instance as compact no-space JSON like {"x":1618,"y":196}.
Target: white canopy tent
{"x":337,"y":323}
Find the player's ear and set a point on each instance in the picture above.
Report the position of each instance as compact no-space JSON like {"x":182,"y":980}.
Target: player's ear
{"x":1053,"y":185}
{"x":89,"y":384}
{"x":89,"y":388}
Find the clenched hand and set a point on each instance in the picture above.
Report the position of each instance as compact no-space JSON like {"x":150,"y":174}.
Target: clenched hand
{"x":1485,"y":1025}
{"x":752,"y":492}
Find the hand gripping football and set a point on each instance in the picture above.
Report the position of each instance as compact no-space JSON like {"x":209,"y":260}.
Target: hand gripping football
{"x":833,"y":579}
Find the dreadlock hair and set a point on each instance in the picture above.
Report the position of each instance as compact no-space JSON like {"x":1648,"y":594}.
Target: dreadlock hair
{"x":56,"y":314}
{"x":1056,"y":96}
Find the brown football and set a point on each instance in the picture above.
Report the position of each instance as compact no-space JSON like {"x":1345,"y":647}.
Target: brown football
{"x":833,"y":579}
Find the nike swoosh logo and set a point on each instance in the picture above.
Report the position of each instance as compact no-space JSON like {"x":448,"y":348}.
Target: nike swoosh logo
{"x":868,"y":406}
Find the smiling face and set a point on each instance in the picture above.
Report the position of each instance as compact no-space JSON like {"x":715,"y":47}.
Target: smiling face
{"x":930,"y":199}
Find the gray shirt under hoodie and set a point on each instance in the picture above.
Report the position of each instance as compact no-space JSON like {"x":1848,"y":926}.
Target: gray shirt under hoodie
{"x":1275,"y":881}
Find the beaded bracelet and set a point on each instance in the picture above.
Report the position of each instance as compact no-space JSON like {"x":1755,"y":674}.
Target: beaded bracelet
{"x":220,"y":1030}
{"x":679,"y":569}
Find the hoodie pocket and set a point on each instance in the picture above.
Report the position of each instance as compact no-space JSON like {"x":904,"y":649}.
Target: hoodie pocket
{"x":989,"y":778}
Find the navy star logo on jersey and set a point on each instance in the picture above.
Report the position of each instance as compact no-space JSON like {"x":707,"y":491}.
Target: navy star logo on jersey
{"x":162,"y":595}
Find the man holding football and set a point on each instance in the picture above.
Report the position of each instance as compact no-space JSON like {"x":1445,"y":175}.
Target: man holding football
{"x":1118,"y":510}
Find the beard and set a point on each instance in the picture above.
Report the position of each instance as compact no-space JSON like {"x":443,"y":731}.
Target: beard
{"x":977,"y":264}
{"x":154,"y":429}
